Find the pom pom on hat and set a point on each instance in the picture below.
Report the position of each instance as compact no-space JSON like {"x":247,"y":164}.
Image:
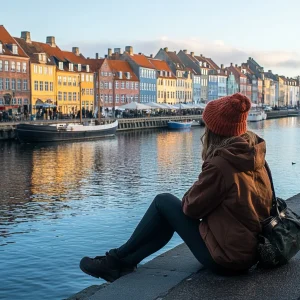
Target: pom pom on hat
{"x":228,"y":115}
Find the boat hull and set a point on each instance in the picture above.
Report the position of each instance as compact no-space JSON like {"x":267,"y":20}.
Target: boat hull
{"x":179,"y":125}
{"x":27,"y":133}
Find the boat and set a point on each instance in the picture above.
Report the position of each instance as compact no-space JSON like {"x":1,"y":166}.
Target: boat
{"x":179,"y":125}
{"x":33,"y":133}
{"x":256,"y":115}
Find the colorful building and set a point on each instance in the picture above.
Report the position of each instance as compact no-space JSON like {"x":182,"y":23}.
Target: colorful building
{"x":43,"y":73}
{"x":14,"y":75}
{"x":166,"y":82}
{"x":145,"y":72}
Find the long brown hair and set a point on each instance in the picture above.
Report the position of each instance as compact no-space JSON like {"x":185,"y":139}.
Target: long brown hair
{"x":213,"y":142}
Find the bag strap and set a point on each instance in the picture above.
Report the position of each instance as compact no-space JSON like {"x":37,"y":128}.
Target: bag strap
{"x":275,"y":208}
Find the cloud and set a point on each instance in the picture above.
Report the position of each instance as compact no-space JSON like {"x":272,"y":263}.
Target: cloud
{"x":281,"y":62}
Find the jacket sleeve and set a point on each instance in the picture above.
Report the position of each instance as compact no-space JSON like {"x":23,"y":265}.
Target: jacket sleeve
{"x":205,"y":194}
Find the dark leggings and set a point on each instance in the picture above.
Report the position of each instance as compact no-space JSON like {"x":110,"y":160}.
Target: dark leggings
{"x":162,"y":219}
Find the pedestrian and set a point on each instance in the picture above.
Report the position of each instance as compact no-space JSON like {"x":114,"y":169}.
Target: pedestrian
{"x":219,"y":216}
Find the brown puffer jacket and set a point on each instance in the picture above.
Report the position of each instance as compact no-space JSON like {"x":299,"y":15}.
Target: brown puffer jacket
{"x":232,"y":195}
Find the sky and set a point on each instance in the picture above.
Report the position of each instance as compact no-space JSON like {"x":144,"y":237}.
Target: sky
{"x":226,"y":31}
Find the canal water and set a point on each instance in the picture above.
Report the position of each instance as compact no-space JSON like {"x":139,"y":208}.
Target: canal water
{"x":60,"y":202}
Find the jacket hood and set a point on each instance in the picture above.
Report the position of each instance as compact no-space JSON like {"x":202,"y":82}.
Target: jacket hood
{"x":242,"y":156}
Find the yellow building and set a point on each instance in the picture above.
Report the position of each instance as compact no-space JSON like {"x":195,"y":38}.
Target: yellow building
{"x":166,"y":82}
{"x":42,"y":70}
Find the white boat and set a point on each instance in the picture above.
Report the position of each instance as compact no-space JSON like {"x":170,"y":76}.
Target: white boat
{"x":256,"y":115}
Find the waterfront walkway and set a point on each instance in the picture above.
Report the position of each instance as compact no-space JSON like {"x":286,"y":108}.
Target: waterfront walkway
{"x":176,"y":275}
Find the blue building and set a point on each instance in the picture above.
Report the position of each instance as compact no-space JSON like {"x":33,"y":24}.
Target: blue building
{"x":146,"y":73}
{"x":232,"y":85}
{"x":196,"y":87}
{"x":212,"y":85}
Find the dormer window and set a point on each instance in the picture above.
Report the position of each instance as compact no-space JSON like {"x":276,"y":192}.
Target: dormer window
{"x":79,"y":67}
{"x":14,"y":49}
{"x":71,"y":68}
{"x":128,"y":75}
{"x":87,"y":68}
{"x":61,"y":65}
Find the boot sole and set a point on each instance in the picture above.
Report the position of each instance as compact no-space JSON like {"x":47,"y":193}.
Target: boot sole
{"x":106,"y":277}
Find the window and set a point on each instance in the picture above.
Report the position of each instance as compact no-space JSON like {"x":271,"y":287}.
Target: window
{"x":117,"y":99}
{"x":70,"y":96}
{"x":59,"y":80}
{"x":71,"y":67}
{"x":136,"y":98}
{"x":69,"y":81}
{"x":74,"y":96}
{"x":25,"y":101}
{"x":127,"y":84}
{"x":61,"y":65}
{"x":19,"y":85}
{"x":1,"y":84}
{"x":123,"y":98}
{"x":136,"y":85}
{"x":87,"y":91}
{"x":40,"y":70}
{"x":82,"y":77}
{"x":1,"y":66}
{"x":6,"y":66}
{"x":13,"y":84}
{"x":41,"y":85}
{"x":87,"y":78}
{"x":7,"y":84}
{"x":19,"y":101}
{"x":1,"y":101}
{"x":65,"y":80}
{"x":45,"y":70}
{"x":51,"y":86}
{"x":101,"y":84}
{"x":35,"y":69}
{"x":91,"y":78}
{"x":14,"y":101}
{"x":122,"y":85}
{"x":13,"y":66}
{"x":91,"y":92}
{"x":59,"y":95}
{"x":65,"y":96}
{"x":25,"y":85}
{"x":117,"y":85}
{"x":74,"y":81}
{"x":79,"y":67}
{"x":106,"y":98}
{"x":110,"y":85}
{"x":46,"y":86}
{"x":105,"y":85}
{"x":110,"y":99}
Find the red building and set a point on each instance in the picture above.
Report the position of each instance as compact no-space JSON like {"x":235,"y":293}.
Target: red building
{"x":116,"y":83}
{"x":14,"y":75}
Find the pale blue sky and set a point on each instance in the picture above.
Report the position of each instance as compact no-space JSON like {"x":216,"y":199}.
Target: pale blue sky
{"x":227,"y":31}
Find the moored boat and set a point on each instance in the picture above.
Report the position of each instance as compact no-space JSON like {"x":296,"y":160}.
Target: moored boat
{"x":179,"y":125}
{"x":33,"y":133}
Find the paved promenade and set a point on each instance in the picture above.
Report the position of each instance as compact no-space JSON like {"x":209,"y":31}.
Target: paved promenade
{"x":177,"y":275}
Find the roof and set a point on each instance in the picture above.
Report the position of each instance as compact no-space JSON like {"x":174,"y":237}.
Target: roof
{"x":53,"y":51}
{"x":32,"y":49}
{"x":121,"y":66}
{"x":7,"y":40}
{"x":212,"y":64}
{"x":73,"y":58}
{"x":161,"y":65}
{"x":236,"y":72}
{"x":176,"y":60}
{"x":141,"y":60}
{"x":202,"y":59}
{"x":94,"y":63}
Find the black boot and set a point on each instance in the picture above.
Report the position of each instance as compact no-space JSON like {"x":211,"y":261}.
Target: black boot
{"x":108,"y":267}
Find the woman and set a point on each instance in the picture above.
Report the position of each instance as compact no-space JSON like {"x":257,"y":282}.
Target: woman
{"x":219,"y":216}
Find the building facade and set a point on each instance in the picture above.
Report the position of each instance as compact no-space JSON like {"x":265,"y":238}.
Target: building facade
{"x":14,"y":75}
{"x":166,"y":82}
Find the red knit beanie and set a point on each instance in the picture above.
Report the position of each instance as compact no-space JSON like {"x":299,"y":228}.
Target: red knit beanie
{"x":227,"y":116}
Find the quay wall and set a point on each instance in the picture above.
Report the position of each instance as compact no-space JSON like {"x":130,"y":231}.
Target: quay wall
{"x":7,"y":130}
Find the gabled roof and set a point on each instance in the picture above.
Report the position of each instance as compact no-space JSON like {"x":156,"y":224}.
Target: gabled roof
{"x":52,"y":51}
{"x":7,"y":40}
{"x":117,"y":66}
{"x":73,"y":58}
{"x":141,"y":60}
{"x":212,"y":64}
{"x":32,"y":50}
{"x":176,"y":60}
{"x":95,"y":64}
{"x":161,"y":65}
{"x":236,"y":72}
{"x":203,"y":60}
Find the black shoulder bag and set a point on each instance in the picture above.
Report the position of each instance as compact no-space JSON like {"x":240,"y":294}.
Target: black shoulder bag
{"x":280,"y":237}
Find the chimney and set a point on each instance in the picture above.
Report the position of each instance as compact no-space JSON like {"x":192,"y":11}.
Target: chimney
{"x":106,"y":56}
{"x":166,"y":49}
{"x":231,"y":64}
{"x":75,"y":50}
{"x":25,"y":35}
{"x":270,"y":71}
{"x":109,"y":52}
{"x":140,"y":53}
{"x":151,"y":55}
{"x":129,"y":49}
{"x":236,"y":65}
{"x":97,"y":55}
{"x":201,"y":55}
{"x":193,"y":54}
{"x":185,"y":51}
{"x":51,"y":41}
{"x":117,"y":50}
{"x":222,"y":66}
